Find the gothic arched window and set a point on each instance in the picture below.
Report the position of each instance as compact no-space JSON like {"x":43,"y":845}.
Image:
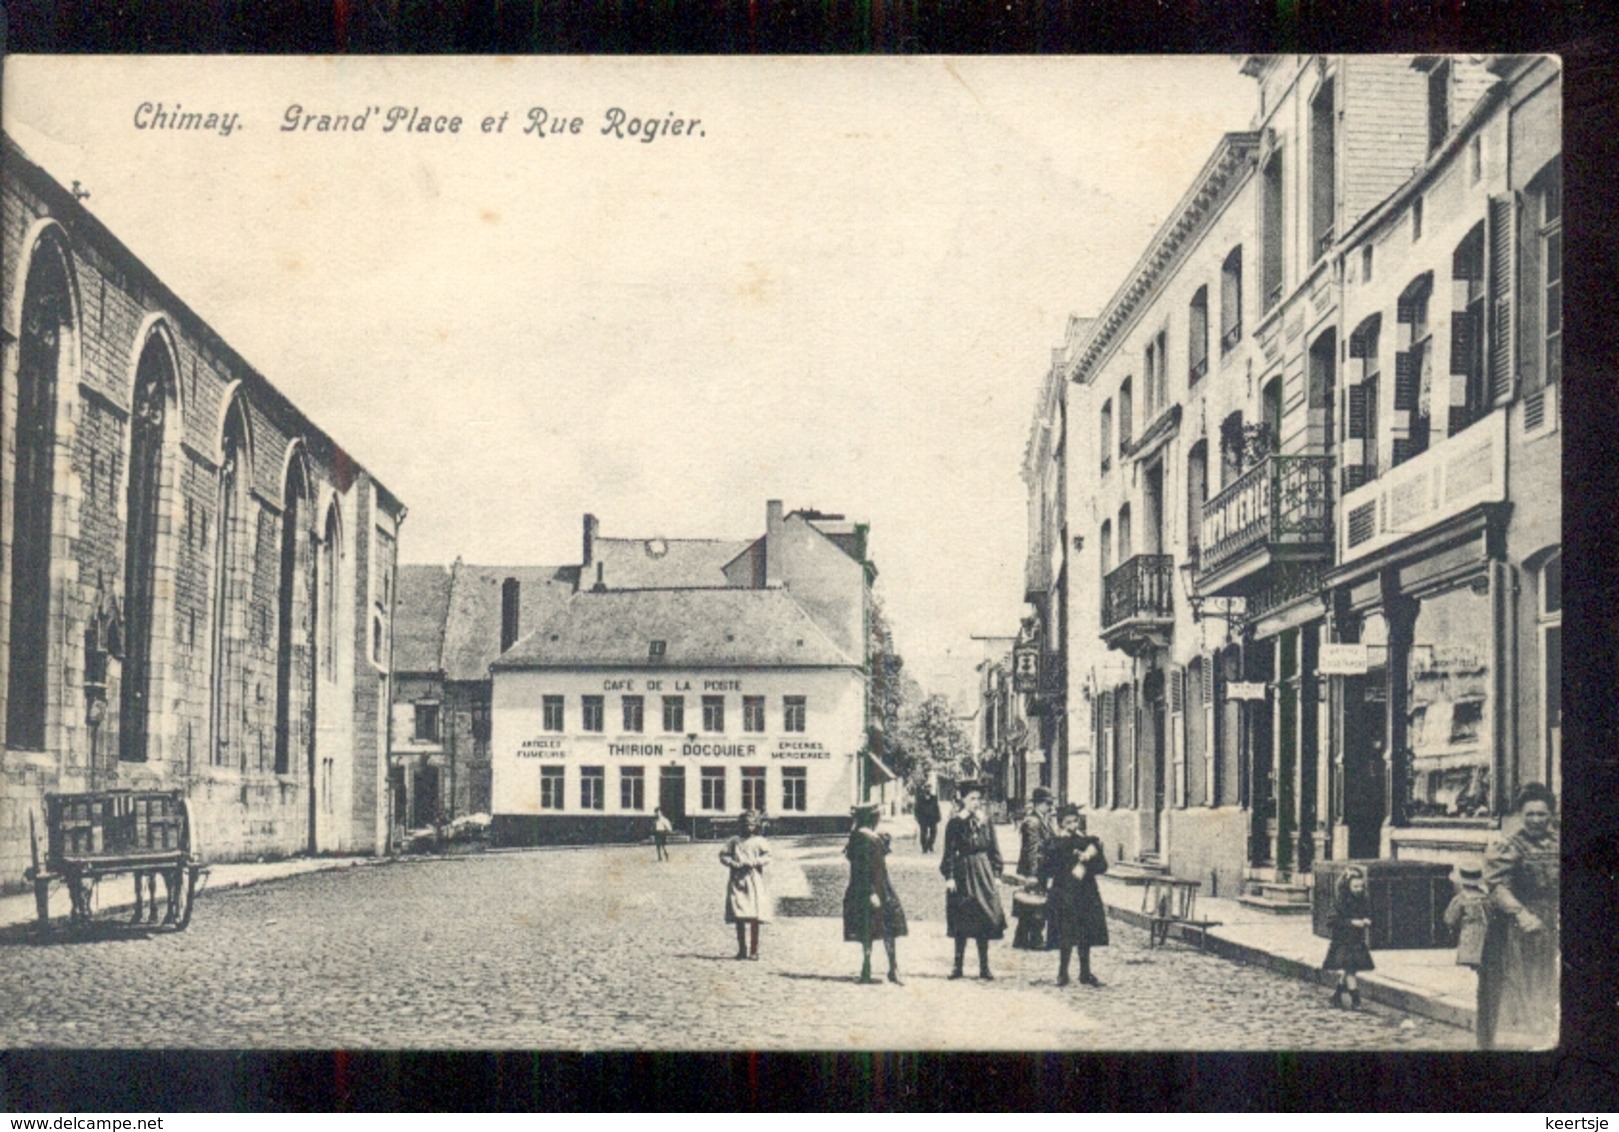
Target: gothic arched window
{"x":230,"y":592}
{"x":46,"y":322}
{"x":154,"y":378}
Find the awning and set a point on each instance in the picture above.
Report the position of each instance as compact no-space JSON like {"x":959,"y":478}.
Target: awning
{"x":878,"y":772}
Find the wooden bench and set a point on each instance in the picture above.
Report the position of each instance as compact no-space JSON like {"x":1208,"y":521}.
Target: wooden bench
{"x":1167,"y":900}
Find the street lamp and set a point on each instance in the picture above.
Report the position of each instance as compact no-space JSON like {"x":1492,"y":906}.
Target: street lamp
{"x":1232,"y":610}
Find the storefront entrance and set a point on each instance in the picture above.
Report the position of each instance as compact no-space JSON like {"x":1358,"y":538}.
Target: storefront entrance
{"x":672,"y":792}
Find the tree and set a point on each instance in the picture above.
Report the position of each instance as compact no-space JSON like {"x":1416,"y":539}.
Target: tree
{"x":932,"y":741}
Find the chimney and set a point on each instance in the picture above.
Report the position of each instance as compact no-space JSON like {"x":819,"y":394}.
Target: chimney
{"x":509,"y":610}
{"x":592,"y":528}
{"x":774,"y":548}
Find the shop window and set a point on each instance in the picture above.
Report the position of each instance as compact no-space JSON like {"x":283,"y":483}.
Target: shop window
{"x":593,"y":713}
{"x":753,"y":789}
{"x":714,"y":713}
{"x":551,"y":784}
{"x":794,"y":789}
{"x":1231,"y":300}
{"x":634,"y":714}
{"x":552,"y":713}
{"x":713,"y":788}
{"x":753,"y":713}
{"x":632,"y":788}
{"x":1449,"y":762}
{"x":426,"y":725}
{"x":794,"y":710}
{"x":674,"y":713}
{"x":592,"y":787}
{"x":1197,"y":337}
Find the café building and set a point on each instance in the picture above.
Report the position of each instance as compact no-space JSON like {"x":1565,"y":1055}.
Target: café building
{"x":701,"y":701}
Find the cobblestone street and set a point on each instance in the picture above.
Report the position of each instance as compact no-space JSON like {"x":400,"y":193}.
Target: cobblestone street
{"x":605,"y":949}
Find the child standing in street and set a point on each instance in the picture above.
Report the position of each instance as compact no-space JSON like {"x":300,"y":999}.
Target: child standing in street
{"x":747,"y":900}
{"x":1350,"y":918}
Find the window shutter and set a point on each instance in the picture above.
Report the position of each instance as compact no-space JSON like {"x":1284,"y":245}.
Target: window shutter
{"x":1355,"y":475}
{"x":1357,"y":412}
{"x":1406,"y":378}
{"x":1501,"y":240}
{"x":1404,"y":449}
{"x":1405,"y":309}
{"x":1104,"y":751}
{"x":1177,"y":732}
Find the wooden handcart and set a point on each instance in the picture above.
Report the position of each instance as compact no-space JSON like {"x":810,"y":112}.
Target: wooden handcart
{"x":148,"y":833}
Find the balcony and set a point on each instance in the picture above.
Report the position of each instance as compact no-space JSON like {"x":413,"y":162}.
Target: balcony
{"x":1137,"y":604}
{"x":1279,"y":510}
{"x":1052,"y":689}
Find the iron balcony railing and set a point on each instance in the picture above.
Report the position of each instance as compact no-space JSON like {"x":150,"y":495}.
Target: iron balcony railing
{"x":1282,"y":500}
{"x":1140,"y":588}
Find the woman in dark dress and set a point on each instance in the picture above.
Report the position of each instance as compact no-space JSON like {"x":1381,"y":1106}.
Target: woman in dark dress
{"x":971,"y":867}
{"x":871,"y":908}
{"x":1075,"y":916}
{"x":1351,"y":915}
{"x":1519,"y":969}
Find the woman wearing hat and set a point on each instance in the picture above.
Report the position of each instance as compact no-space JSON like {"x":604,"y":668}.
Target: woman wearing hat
{"x":1035,"y":833}
{"x":1075,"y":917}
{"x":971,"y":864}
{"x":871,"y":908}
{"x":1518,"y":971}
{"x":747,"y":900}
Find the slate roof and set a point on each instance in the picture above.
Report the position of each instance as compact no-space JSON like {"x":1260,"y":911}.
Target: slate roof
{"x":472,"y":626}
{"x":727,"y":627}
{"x":643,"y":563}
{"x":420,"y":604}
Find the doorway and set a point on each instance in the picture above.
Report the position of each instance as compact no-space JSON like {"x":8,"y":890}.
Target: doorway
{"x":425,"y":801}
{"x":672,"y":792}
{"x":1152,"y":690}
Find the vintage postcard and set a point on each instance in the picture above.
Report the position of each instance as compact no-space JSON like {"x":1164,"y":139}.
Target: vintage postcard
{"x":781,"y":553}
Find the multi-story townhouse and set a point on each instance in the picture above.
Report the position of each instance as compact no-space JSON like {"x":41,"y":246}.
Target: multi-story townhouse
{"x":1447,"y":592}
{"x":196,"y":581}
{"x":1251,"y":648}
{"x":1168,"y":361}
{"x":1045,"y":635}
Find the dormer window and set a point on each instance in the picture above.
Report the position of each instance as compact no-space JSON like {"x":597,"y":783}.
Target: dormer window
{"x":659,"y":648}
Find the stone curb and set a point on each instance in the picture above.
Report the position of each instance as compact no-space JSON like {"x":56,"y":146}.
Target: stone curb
{"x":1375,"y":987}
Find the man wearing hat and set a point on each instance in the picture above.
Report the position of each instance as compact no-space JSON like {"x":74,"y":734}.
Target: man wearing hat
{"x":871,"y":908}
{"x":927,"y":817}
{"x":1034,"y":832}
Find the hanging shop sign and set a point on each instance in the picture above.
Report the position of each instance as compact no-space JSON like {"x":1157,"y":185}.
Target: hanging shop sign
{"x":1026,"y":668}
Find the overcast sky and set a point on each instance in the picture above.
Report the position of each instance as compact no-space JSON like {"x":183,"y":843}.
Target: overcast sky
{"x":842,"y":290}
